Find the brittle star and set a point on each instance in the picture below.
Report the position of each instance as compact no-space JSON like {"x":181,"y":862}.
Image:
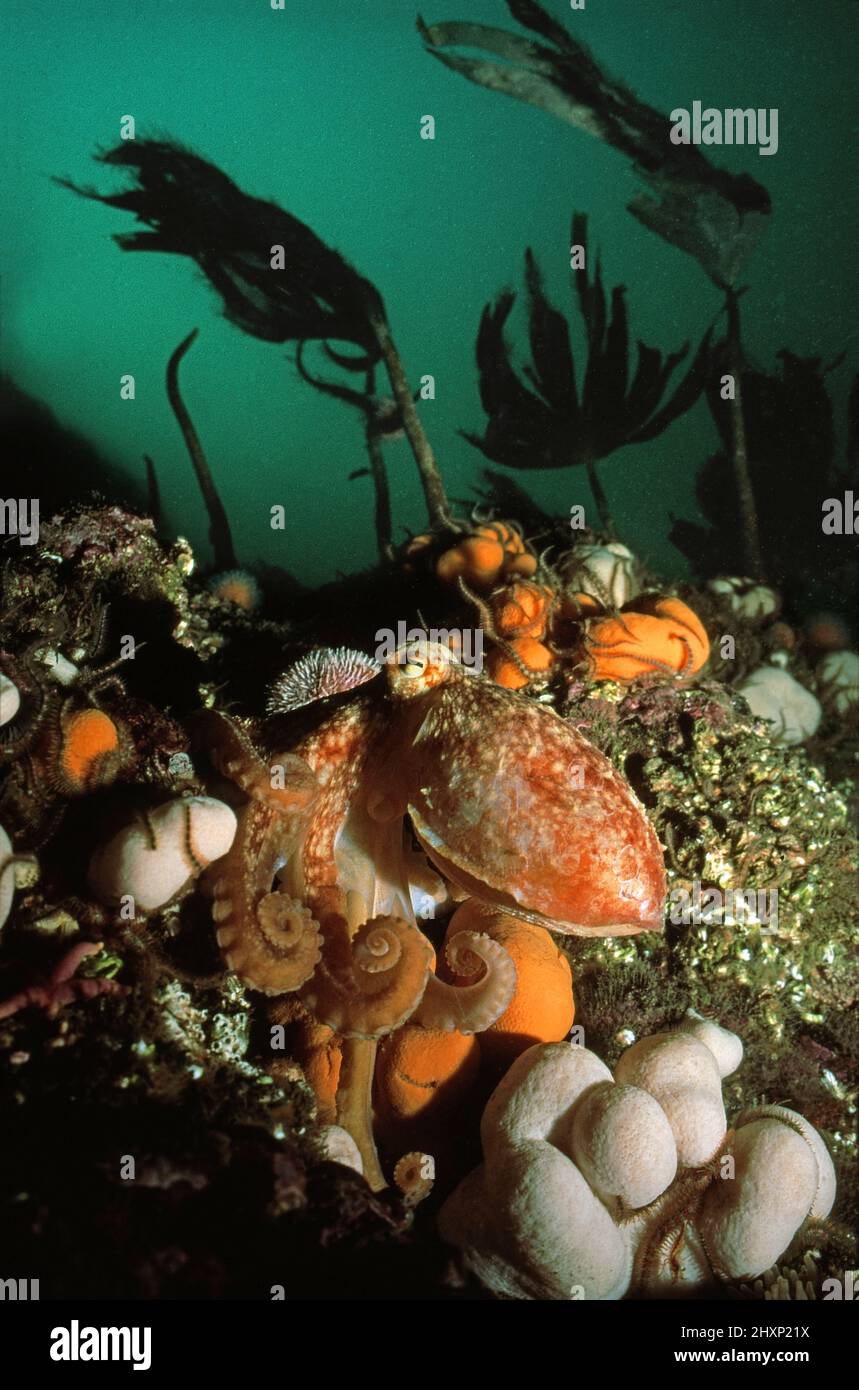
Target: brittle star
{"x":61,"y":988}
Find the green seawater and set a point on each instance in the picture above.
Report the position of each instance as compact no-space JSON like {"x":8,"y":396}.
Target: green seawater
{"x":318,"y":106}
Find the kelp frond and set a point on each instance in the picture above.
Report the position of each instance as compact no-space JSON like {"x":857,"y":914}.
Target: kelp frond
{"x":276,"y":278}
{"x":713,"y":215}
{"x":553,"y":421}
{"x":794,"y":465}
{"x":193,"y":209}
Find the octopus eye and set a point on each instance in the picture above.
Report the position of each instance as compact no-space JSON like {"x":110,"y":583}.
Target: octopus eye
{"x":417,"y":667}
{"x":414,"y":662}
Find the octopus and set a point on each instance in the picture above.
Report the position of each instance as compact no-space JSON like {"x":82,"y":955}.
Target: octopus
{"x":508,"y":803}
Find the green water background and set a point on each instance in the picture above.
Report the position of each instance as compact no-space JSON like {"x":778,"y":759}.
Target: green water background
{"x":318,"y":107}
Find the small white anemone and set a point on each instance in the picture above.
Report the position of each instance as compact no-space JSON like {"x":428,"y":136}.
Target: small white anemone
{"x":746,"y":597}
{"x":152,"y":860}
{"x":584,"y":1174}
{"x":606,"y":572}
{"x":774,"y":695}
{"x":10,"y":700}
{"x":838,"y":680}
{"x":63,"y":671}
{"x":16,"y":871}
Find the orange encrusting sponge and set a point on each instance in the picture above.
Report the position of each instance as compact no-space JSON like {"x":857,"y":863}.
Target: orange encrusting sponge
{"x":422,"y":1076}
{"x":88,"y":736}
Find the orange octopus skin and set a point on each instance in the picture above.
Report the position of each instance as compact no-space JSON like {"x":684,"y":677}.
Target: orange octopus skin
{"x":338,"y":752}
{"x":515,"y":807}
{"x":268,"y":939}
{"x":510,"y":802}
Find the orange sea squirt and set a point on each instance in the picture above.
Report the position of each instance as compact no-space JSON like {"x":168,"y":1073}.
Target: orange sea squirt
{"x":423,"y":1074}
{"x":480,"y":557}
{"x":521,"y":609}
{"x":505,"y":671}
{"x":88,"y":736}
{"x":660,"y":634}
{"x":524,"y":565}
{"x":542,"y":1009}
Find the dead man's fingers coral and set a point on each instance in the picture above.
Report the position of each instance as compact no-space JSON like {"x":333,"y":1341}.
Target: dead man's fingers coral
{"x":623,"y":1144}
{"x":593,"y":1187}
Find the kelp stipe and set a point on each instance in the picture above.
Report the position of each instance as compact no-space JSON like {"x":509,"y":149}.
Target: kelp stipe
{"x":793,"y":465}
{"x":277,"y":279}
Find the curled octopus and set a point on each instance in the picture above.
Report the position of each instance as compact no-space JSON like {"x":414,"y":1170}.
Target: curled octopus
{"x":507,"y":801}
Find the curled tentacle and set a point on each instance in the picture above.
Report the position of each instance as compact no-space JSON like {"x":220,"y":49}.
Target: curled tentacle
{"x":276,"y":951}
{"x":414,"y":1175}
{"x":469,"y":1008}
{"x":369,"y":984}
{"x":268,"y":938}
{"x":284,"y":782}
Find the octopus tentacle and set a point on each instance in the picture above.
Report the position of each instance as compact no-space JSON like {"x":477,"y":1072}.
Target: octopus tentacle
{"x":284,"y":782}
{"x":354,"y":1104}
{"x":473,"y":1007}
{"x":276,"y":951}
{"x":368,"y":984}
{"x":269,"y":939}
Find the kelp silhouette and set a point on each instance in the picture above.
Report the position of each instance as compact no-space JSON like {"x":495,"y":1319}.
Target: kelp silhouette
{"x":714,"y":215}
{"x":552,"y":423}
{"x":193,"y":209}
{"x":793,"y":466}
{"x":711,"y":214}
